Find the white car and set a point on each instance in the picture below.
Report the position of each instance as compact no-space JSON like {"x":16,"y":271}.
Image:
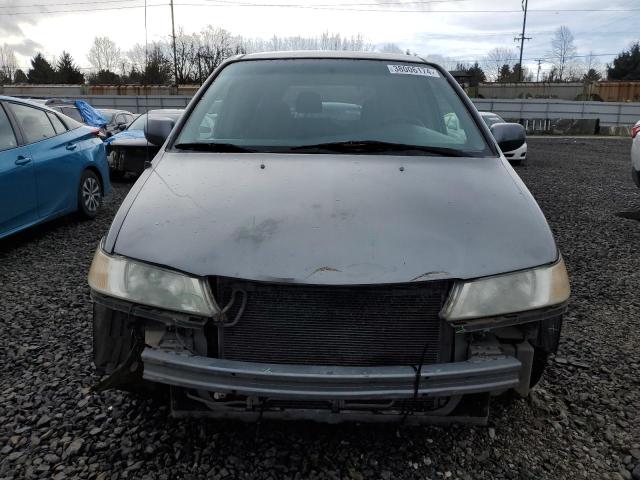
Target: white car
{"x":635,"y":153}
{"x":518,"y":155}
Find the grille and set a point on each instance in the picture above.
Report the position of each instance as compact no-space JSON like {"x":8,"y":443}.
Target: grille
{"x":335,"y":325}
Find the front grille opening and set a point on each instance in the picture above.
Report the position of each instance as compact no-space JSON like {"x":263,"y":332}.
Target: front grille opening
{"x":335,"y":325}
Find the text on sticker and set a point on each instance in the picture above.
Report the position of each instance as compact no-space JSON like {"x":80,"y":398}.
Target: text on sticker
{"x":413,"y":70}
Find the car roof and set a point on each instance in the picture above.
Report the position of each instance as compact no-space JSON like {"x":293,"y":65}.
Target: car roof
{"x":488,"y":114}
{"x":393,"y":57}
{"x":36,"y":102}
{"x":112,"y":110}
{"x":161,"y":111}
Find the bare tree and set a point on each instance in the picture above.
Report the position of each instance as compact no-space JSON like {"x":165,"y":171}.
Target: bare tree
{"x":563,"y":51}
{"x":104,"y":54}
{"x":216,"y":45}
{"x":496,"y":59}
{"x":447,"y":63}
{"x":187,"y":48}
{"x":326,"y":41}
{"x":594,"y":69}
{"x":390,"y":48}
{"x":8,"y":62}
{"x":137,"y":57}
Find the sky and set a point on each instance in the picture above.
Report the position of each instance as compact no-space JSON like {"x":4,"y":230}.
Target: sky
{"x":462,"y":29}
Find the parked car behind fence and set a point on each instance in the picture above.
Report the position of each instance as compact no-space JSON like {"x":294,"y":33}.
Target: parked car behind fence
{"x":117,"y":120}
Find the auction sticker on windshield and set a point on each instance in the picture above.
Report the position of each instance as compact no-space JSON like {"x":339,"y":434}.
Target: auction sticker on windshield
{"x":413,"y":70}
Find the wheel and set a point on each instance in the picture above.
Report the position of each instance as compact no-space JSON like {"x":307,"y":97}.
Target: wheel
{"x":89,"y":194}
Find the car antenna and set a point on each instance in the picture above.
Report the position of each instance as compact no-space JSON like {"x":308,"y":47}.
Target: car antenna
{"x":147,"y":162}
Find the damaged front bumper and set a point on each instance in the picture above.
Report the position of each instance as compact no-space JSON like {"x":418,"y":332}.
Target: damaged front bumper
{"x":476,"y":375}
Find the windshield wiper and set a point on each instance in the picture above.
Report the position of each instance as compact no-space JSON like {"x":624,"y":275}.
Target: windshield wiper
{"x":213,"y":147}
{"x":370,"y":146}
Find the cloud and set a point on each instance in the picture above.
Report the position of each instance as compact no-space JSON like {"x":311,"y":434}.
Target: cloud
{"x":26,"y":47}
{"x":11,"y":27}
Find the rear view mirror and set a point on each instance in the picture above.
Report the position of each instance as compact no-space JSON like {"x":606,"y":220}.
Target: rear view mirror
{"x":157,"y":130}
{"x":509,"y":136}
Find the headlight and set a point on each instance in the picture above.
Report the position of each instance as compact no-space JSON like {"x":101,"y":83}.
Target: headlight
{"x":514,"y":292}
{"x":146,"y":284}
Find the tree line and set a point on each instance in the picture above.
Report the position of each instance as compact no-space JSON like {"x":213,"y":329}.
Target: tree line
{"x":198,"y":54}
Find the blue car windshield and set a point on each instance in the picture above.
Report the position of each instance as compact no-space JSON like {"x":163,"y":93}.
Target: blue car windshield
{"x":287,"y":105}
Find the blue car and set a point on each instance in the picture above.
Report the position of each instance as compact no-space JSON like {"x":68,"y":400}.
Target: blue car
{"x":50,"y":165}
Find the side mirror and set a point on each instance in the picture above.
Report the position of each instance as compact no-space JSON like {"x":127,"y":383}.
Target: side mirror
{"x":156,"y":130}
{"x":121,"y":126}
{"x":509,"y":136}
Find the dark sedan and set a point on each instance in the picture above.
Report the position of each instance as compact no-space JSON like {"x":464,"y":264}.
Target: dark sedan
{"x":128,"y":150}
{"x":117,"y":120}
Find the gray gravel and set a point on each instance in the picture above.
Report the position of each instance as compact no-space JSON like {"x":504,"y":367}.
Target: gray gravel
{"x":583,"y":421}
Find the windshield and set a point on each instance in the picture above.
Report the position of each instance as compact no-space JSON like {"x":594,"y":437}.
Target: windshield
{"x":309,"y":104}
{"x":492,"y":119}
{"x":108,"y":115}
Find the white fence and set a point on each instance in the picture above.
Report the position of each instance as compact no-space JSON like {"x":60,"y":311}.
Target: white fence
{"x":614,"y":114}
{"x":135,"y":104}
{"x":611,"y":114}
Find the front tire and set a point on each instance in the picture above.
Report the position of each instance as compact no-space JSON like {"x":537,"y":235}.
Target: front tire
{"x":89,"y":194}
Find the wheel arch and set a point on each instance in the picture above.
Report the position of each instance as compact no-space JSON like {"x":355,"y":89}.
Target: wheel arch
{"x":95,"y":170}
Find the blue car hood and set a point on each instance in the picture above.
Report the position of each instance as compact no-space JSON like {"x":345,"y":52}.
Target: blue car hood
{"x":332,"y":219}
{"x":127,"y":134}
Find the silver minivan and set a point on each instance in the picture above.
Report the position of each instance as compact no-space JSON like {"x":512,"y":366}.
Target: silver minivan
{"x":311,"y":241}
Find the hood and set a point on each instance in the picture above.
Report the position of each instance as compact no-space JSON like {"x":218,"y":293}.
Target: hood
{"x":332,"y":219}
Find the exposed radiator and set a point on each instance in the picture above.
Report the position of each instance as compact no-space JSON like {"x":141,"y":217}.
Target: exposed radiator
{"x":334,"y":325}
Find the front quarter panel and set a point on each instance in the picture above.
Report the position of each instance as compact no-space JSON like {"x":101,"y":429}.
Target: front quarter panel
{"x":121,"y":214}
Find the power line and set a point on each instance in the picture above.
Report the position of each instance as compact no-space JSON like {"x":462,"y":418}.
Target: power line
{"x":228,"y":3}
{"x":85,"y":9}
{"x":328,"y":7}
{"x":89,"y":2}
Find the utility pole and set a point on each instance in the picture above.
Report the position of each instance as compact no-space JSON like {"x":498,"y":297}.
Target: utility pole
{"x":538,"y":74}
{"x":175,"y":56}
{"x":522,"y":38}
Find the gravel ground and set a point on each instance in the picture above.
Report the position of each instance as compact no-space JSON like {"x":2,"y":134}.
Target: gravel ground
{"x":583,"y":421}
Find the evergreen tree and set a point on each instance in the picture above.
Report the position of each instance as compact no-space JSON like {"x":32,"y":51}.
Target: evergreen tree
{"x":505,"y":75}
{"x":41,"y":71}
{"x":105,"y":77}
{"x":475,"y":72}
{"x":158,"y":68}
{"x":20,"y":77}
{"x":477,"y":75}
{"x":626,"y":66}
{"x":66,"y":70}
{"x":592,"y":75}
